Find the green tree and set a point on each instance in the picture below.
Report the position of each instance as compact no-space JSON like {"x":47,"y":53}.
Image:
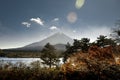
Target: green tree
{"x":71,"y":49}
{"x":103,"y":41}
{"x":81,"y":45}
{"x":84,"y":44}
{"x":78,"y":45}
{"x":48,"y":55}
{"x":67,"y":52}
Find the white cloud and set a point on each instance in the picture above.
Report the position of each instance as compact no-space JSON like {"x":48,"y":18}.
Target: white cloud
{"x":37,"y":20}
{"x":26,"y":24}
{"x":53,"y":28}
{"x":55,"y":19}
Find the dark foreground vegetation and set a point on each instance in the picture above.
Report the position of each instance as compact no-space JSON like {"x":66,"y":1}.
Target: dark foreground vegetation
{"x":17,"y":73}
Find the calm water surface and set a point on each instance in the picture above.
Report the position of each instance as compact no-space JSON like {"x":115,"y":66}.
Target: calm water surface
{"x":23,"y":60}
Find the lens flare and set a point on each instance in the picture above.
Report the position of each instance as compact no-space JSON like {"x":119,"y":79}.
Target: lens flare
{"x":79,"y":3}
{"x":72,"y":17}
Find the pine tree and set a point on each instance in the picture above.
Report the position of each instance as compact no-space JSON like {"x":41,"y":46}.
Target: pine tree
{"x":103,"y":41}
{"x":48,"y":55}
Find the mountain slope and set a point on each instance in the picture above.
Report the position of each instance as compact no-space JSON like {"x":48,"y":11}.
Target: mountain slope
{"x":58,"y":40}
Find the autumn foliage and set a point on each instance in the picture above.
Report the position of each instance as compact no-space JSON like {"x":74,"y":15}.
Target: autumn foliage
{"x":101,"y":53}
{"x":95,"y":55}
{"x":94,"y":63}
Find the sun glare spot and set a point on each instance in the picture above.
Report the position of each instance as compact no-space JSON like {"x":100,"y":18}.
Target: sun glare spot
{"x":72,"y":17}
{"x":79,"y":3}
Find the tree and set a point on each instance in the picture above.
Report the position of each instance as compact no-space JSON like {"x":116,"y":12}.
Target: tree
{"x":2,"y":54}
{"x":84,"y":44}
{"x":67,"y":52}
{"x":116,"y":32}
{"x":0,"y":51}
{"x":48,"y":55}
{"x":95,"y":61}
{"x":71,"y":49}
{"x":103,"y":41}
{"x":81,"y":45}
{"x":68,"y":45}
{"x":78,"y":45}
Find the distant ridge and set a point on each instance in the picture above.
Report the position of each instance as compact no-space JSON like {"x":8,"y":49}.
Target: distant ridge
{"x":59,"y":40}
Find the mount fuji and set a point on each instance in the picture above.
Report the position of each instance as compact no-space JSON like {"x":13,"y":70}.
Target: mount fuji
{"x":58,"y":40}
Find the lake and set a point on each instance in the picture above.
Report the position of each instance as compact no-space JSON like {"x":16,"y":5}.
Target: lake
{"x":15,"y":60}
{"x":27,"y":61}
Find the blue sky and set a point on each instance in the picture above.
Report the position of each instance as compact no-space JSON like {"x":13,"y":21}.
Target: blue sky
{"x":26,"y":21}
